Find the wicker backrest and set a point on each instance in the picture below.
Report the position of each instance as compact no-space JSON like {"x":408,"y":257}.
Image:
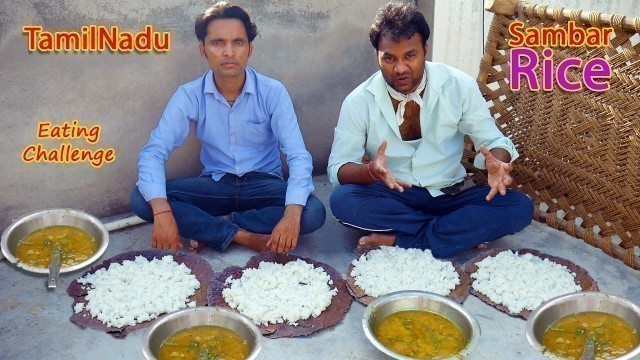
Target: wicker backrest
{"x":580,"y":151}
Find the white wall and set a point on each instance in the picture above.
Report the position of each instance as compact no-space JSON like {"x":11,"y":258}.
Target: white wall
{"x":460,"y":27}
{"x":457,"y":38}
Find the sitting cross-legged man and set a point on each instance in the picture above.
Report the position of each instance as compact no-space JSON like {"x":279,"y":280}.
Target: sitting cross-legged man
{"x":410,"y":119}
{"x":242,"y":120}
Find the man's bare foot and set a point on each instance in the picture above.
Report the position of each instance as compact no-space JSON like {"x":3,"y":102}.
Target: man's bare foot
{"x":482,"y":245}
{"x":375,"y":239}
{"x":196,"y":246}
{"x":257,"y":242}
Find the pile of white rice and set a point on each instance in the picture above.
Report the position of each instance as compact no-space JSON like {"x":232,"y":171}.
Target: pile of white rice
{"x":275,"y":293}
{"x":522,"y":282}
{"x":390,"y":269}
{"x":137,"y":291}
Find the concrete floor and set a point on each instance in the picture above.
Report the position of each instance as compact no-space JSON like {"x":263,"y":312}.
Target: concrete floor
{"x":34,"y":322}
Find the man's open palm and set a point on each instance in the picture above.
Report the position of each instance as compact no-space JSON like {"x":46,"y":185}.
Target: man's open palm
{"x":379,"y":170}
{"x":498,"y":174}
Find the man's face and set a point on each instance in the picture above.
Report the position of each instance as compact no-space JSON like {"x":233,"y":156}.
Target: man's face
{"x":402,"y":62}
{"x":226,"y":48}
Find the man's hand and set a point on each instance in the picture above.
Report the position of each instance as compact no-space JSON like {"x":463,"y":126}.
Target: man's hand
{"x":284,"y":237}
{"x":164,"y":234}
{"x":498,"y":171}
{"x":378,"y":170}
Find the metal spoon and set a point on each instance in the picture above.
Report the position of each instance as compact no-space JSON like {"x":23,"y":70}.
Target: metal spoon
{"x":589,"y":352}
{"x":54,"y":268}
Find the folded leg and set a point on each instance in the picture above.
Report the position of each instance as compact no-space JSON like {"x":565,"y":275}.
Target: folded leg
{"x":447,"y":224}
{"x":198,"y":205}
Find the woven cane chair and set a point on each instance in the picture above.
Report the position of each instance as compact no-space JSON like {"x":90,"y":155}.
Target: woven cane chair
{"x":579,"y":151}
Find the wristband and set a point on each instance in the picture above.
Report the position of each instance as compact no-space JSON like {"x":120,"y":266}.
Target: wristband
{"x":369,"y":168}
{"x":162,"y":212}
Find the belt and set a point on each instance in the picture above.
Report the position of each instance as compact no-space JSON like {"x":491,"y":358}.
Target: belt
{"x":459,"y":187}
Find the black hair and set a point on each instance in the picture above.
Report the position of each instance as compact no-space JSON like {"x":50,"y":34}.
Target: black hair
{"x":224,"y":10}
{"x":398,"y":20}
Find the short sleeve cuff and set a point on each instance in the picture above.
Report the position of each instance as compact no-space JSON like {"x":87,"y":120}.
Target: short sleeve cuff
{"x":332,"y":171}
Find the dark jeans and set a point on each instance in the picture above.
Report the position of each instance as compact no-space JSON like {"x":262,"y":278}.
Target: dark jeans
{"x":254,"y":202}
{"x":446,"y":224}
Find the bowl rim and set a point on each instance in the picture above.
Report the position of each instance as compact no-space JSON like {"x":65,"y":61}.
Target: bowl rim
{"x":537,"y":346}
{"x":146,"y":350}
{"x":475,"y":326}
{"x":4,"y":246}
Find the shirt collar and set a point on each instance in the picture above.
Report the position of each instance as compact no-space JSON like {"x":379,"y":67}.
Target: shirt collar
{"x":249,"y":84}
{"x":378,"y":87}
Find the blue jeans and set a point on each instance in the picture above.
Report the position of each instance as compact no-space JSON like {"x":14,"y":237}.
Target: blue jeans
{"x":254,"y":202}
{"x":446,"y":224}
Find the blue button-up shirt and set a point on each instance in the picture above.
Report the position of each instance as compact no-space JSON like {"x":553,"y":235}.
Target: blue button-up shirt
{"x":235,"y":139}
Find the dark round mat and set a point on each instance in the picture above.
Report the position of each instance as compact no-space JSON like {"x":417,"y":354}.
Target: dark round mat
{"x":582,"y":278}
{"x":198,"y":265}
{"x":332,"y":315}
{"x":459,"y":294}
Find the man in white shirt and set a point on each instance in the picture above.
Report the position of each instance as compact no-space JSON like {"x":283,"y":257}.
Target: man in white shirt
{"x":410,"y":118}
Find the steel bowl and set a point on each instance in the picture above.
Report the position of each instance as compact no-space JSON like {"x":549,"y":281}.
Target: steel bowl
{"x":388,"y":304}
{"x":201,"y":316}
{"x":69,"y":217}
{"x":554,"y":309}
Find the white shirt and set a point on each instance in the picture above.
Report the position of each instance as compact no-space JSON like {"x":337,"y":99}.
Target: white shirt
{"x":453,"y":107}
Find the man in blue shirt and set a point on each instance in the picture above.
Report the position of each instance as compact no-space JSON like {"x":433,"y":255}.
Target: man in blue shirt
{"x":410,"y":118}
{"x":242,"y":119}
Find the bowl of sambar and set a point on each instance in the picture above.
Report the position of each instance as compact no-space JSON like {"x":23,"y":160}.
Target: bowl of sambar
{"x":28,"y":242}
{"x":202,"y":333}
{"x":559,"y":327}
{"x":414,"y":324}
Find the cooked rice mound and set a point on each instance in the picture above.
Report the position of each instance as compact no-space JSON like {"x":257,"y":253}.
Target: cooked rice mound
{"x":277,"y":293}
{"x":137,"y":291}
{"x":522,"y":282}
{"x":390,"y":269}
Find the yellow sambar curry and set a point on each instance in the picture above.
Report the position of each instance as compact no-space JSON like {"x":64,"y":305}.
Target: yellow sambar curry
{"x":75,"y":245}
{"x":613,"y":336}
{"x":420,"y":335}
{"x":204,"y":343}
